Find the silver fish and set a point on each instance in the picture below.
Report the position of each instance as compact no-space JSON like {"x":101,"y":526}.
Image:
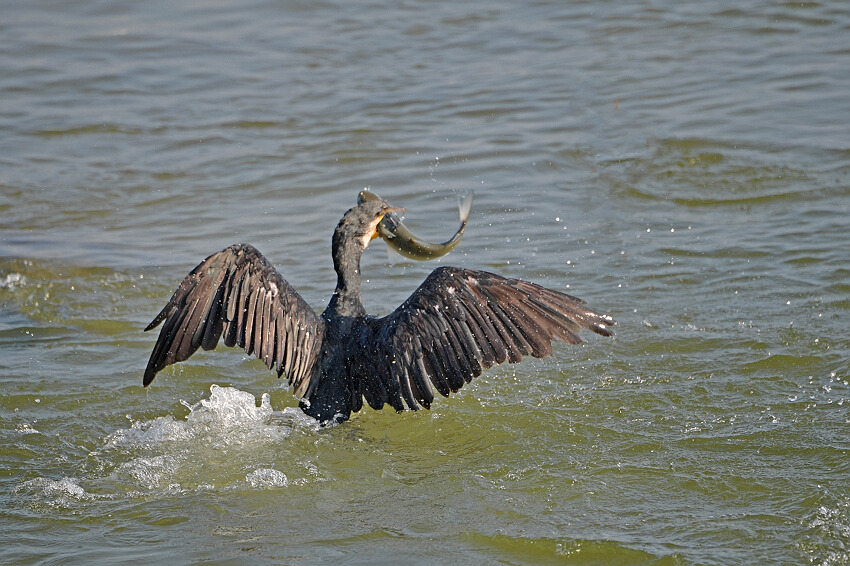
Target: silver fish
{"x":402,"y":240}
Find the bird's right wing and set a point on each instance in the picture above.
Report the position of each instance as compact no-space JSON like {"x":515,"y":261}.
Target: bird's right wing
{"x":238,"y":293}
{"x":460,"y":322}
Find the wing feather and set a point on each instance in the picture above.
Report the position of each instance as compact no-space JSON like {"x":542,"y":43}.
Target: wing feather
{"x":259,"y":320}
{"x":393,"y":385}
{"x":237,"y":293}
{"x":215,"y":322}
{"x":484,"y":332}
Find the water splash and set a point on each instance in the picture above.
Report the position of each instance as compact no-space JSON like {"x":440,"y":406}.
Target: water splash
{"x":825,"y":539}
{"x":227,"y":442}
{"x":229,"y":407}
{"x":57,"y":490}
{"x":228,"y":416}
{"x":57,"y":495}
{"x":13,"y":280}
{"x":266,"y":478}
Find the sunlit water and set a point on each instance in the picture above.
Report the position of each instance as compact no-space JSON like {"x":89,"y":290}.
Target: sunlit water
{"x":683,"y":167}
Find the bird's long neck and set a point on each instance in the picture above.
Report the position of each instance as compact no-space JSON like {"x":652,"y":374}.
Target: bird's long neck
{"x":346,"y":299}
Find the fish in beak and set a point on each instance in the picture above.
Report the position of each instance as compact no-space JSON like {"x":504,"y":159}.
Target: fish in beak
{"x":400,"y":239}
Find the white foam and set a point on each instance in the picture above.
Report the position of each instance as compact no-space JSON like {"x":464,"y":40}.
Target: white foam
{"x":149,"y":473}
{"x":65,"y":486}
{"x":13,"y":280}
{"x":266,"y":478}
{"x":230,"y":406}
{"x":64,"y":493}
{"x":223,"y":437}
{"x":228,"y":412}
{"x":25,"y":428}
{"x":161,"y":429}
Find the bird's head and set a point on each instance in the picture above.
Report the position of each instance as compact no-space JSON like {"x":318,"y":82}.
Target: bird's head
{"x":360,"y":224}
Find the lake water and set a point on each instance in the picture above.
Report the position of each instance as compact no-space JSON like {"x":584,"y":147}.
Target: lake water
{"x":684,"y":167}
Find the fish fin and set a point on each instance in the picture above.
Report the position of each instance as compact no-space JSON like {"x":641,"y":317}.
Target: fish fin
{"x":464,"y":204}
{"x":393,"y":256}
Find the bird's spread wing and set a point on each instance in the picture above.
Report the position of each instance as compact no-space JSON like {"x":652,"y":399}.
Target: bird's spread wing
{"x":460,"y":322}
{"x":238,"y":293}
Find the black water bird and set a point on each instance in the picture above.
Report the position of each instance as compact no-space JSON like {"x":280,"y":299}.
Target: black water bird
{"x":458,"y":323}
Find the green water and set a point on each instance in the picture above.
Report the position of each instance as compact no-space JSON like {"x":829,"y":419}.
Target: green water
{"x":682,"y":167}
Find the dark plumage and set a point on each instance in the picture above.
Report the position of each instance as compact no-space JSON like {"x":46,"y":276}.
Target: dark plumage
{"x":458,"y":323}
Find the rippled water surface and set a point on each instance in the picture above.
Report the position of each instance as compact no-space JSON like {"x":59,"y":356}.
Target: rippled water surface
{"x":681,"y":166}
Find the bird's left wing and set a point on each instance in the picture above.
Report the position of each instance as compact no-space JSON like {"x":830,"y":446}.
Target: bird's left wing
{"x":460,"y":322}
{"x":238,"y":292}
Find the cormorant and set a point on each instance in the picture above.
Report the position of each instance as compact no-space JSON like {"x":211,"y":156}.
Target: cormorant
{"x":458,"y":323}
